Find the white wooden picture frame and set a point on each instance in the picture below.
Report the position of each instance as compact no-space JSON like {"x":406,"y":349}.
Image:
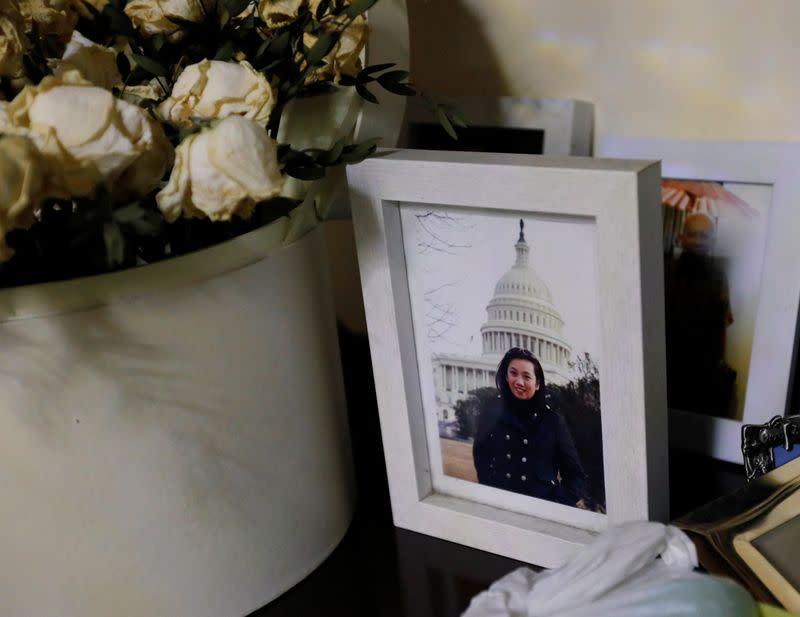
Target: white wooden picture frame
{"x":775,"y":297}
{"x":615,"y":200}
{"x":566,"y":124}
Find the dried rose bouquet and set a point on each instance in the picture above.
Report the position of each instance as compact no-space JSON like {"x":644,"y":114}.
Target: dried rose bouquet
{"x":134,"y":130}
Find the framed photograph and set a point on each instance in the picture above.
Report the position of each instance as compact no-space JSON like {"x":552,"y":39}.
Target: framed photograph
{"x":512,"y":124}
{"x":517,"y":344}
{"x":731,"y":223}
{"x":752,"y":535}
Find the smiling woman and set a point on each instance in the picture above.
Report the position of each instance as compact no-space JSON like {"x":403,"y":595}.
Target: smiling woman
{"x":522,"y":445}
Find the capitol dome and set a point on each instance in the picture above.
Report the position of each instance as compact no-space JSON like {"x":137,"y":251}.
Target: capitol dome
{"x":522,"y":281}
{"x":522,"y":314}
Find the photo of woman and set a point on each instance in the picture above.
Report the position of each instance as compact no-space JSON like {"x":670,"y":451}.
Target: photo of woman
{"x":508,"y":350}
{"x":522,"y":445}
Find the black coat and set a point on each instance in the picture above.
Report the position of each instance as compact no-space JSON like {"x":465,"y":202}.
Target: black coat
{"x":524,"y":450}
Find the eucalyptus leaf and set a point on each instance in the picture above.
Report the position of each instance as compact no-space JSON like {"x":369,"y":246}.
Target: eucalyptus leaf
{"x":392,"y":77}
{"x":322,"y":8}
{"x":150,"y":65}
{"x":226,"y":51}
{"x":358,"y":152}
{"x":399,"y":89}
{"x":331,"y":157}
{"x":441,"y":116}
{"x":357,"y":7}
{"x":118,"y":21}
{"x":115,"y":244}
{"x":157,"y":41}
{"x":92,"y":10}
{"x":321,"y":48}
{"x":312,"y":172}
{"x":143,"y":221}
{"x":375,"y":68}
{"x":366,"y":94}
{"x":235,"y":7}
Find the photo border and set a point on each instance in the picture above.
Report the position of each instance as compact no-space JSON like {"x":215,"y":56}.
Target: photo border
{"x":619,"y":196}
{"x":772,"y":358}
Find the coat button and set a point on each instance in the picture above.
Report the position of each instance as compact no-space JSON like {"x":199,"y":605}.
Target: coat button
{"x":524,"y":460}
{"x":525,"y":441}
{"x":524,"y":478}
{"x":535,"y":415}
{"x":508,"y":436}
{"x":508,"y":475}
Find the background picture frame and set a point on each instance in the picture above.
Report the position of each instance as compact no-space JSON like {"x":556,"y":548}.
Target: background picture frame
{"x":766,"y":345}
{"x":512,"y":124}
{"x":612,"y":199}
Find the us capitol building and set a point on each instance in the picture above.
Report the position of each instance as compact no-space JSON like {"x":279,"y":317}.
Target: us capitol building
{"x":520,"y":314}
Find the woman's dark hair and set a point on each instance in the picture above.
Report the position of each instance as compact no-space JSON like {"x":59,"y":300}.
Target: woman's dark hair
{"x":518,"y":353}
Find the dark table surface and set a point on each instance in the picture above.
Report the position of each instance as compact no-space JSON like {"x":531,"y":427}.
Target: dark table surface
{"x":383,"y":571}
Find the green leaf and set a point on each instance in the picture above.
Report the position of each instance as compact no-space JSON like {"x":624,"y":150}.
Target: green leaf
{"x":321,"y":48}
{"x":313,"y":172}
{"x":323,"y":7}
{"x":115,"y":244}
{"x":331,"y":157}
{"x":458,"y":120}
{"x":92,"y":10}
{"x":123,"y":64}
{"x":143,"y":221}
{"x":399,"y":89}
{"x":158,"y":41}
{"x":357,"y":7}
{"x":150,"y":65}
{"x":375,"y":68}
{"x":235,"y":7}
{"x":366,"y":94}
{"x":445,"y":122}
{"x":225,"y":52}
{"x":358,"y":152}
{"x":118,"y":21}
{"x":392,"y":77}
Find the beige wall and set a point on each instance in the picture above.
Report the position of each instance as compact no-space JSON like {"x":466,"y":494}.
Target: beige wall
{"x":703,"y":69}
{"x":710,"y":69}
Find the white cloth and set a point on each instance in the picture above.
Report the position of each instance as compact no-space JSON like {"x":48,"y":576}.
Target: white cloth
{"x":619,"y":575}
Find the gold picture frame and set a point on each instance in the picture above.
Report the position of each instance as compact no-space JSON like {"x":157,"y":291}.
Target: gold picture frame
{"x":752,"y":535}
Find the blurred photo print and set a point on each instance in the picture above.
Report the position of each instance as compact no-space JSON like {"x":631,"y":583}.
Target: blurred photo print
{"x":506,"y":323}
{"x":714,"y":244}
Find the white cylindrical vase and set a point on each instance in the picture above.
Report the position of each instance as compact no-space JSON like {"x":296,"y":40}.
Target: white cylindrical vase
{"x":174,"y":437}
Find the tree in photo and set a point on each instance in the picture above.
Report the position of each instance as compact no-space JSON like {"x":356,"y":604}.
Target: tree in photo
{"x":467,"y":411}
{"x":579,"y":402}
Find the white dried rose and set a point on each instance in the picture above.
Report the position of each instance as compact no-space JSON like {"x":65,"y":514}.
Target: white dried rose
{"x":86,"y":135}
{"x":215,"y":89}
{"x":13,"y":41}
{"x":277,"y":13}
{"x":56,"y":17}
{"x":153,"y":17}
{"x":20,"y":186}
{"x":222,"y":171}
{"x":96,"y":63}
{"x":345,"y":57}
